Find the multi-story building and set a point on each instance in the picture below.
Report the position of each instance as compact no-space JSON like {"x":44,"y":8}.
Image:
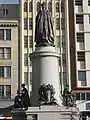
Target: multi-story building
{"x":79,"y":39}
{"x":9,"y":53}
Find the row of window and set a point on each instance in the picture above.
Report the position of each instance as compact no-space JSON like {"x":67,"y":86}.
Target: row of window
{"x":31,"y":41}
{"x":82,"y":96}
{"x":26,"y":77}
{"x":26,"y":23}
{"x":5,"y":91}
{"x":5,"y":71}
{"x":26,"y":41}
{"x":80,"y":2}
{"x":39,"y":6}
{"x":5,"y":34}
{"x":79,"y":19}
{"x":26,"y":60}
{"x":31,"y":23}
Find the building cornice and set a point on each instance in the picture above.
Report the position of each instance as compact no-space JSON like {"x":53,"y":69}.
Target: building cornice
{"x":8,"y":23}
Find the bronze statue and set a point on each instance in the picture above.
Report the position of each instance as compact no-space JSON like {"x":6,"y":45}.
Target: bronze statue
{"x":69,"y":99}
{"x":22,"y":99}
{"x":44,"y":35}
{"x":17,"y":100}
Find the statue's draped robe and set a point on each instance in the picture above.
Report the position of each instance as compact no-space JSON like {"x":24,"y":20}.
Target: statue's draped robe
{"x":44,"y":34}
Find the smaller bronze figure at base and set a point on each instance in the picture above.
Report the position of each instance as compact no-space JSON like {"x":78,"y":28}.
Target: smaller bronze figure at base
{"x":22,"y":99}
{"x":69,"y":99}
{"x":25,"y":97}
{"x":46,"y":93}
{"x":17,"y":100}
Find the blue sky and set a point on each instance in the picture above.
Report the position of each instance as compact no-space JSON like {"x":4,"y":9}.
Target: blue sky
{"x":9,"y":1}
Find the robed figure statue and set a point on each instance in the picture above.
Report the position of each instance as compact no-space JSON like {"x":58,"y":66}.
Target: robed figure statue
{"x":44,"y":35}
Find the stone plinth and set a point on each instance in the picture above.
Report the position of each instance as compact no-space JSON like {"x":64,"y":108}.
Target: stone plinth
{"x":47,"y":113}
{"x":45,"y":70}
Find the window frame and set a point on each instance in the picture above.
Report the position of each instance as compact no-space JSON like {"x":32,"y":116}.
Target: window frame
{"x":82,"y":77}
{"x":78,"y":2}
{"x":80,"y":37}
{"x":79,"y":19}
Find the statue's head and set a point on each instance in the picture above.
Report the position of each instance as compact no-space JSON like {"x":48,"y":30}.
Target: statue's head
{"x":23,"y":85}
{"x":43,"y":5}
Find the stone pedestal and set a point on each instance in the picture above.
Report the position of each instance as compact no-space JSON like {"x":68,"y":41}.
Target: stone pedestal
{"x":47,"y":113}
{"x":45,"y":70}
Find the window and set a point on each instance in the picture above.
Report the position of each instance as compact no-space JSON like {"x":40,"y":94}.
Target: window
{"x":50,"y":7}
{"x":88,"y":96}
{"x":77,"y":96}
{"x":81,"y":56}
{"x":5,"y":12}
{"x":1,"y":53}
{"x":58,"y":41}
{"x":26,"y":41}
{"x":1,"y":34}
{"x":8,"y":34}
{"x":5,"y":53}
{"x":38,"y":6}
{"x":8,"y":91}
{"x":63,"y":42}
{"x":62,"y":23}
{"x":78,"y":2}
{"x":79,"y":19}
{"x":25,"y":59}
{"x":88,"y":2}
{"x":5,"y":71}
{"x":26,"y":78}
{"x":82,"y":75}
{"x":89,"y":19}
{"x":57,"y":7}
{"x":1,"y":91}
{"x":30,"y":41}
{"x":57,"y":23}
{"x":62,"y":6}
{"x":64,"y":77}
{"x":8,"y":72}
{"x":82,"y":96}
{"x":30,"y":23}
{"x":30,"y":6}
{"x":1,"y":71}
{"x":25,"y":7}
{"x":80,"y":37}
{"x":31,"y":78}
{"x":25,"y":23}
{"x":5,"y":34}
{"x":5,"y":91}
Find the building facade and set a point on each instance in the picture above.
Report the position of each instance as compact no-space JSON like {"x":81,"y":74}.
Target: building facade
{"x":79,"y":39}
{"x":9,"y":54}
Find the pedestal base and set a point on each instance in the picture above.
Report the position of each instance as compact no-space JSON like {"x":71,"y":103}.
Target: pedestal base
{"x":47,"y":113}
{"x":45,"y":70}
